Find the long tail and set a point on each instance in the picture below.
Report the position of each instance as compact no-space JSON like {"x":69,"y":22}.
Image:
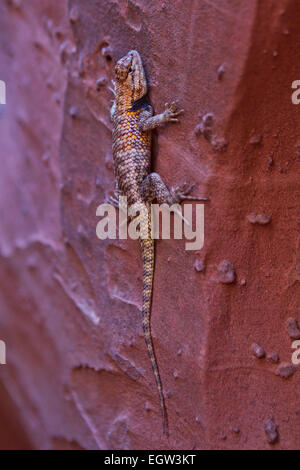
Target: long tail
{"x":147,"y":246}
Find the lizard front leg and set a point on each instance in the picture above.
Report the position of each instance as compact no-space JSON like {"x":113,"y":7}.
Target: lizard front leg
{"x":147,"y":121}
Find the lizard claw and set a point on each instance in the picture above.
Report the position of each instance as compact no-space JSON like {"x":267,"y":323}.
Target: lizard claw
{"x":113,"y":201}
{"x":113,"y":88}
{"x":186,"y":187}
{"x":171,"y":111}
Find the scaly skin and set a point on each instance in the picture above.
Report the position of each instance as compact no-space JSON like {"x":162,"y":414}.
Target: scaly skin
{"x":133,"y":121}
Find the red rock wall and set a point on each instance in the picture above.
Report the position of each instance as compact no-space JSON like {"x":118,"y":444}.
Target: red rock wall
{"x":77,"y":372}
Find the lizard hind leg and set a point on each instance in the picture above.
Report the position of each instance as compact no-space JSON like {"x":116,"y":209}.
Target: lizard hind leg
{"x":153,"y":187}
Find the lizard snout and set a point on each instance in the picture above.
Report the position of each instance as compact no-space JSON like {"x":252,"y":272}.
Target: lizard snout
{"x":123,"y":67}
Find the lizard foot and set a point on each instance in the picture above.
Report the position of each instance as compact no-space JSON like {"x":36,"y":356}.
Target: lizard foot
{"x":171,"y":111}
{"x":181,"y":193}
{"x":115,"y":201}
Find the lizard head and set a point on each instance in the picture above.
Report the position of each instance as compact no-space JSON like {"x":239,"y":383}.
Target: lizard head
{"x":130,"y":75}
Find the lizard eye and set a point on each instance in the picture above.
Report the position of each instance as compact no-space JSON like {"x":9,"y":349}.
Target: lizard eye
{"x":121,"y":73}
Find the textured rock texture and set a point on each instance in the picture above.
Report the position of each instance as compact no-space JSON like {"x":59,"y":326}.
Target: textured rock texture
{"x":77,"y":372}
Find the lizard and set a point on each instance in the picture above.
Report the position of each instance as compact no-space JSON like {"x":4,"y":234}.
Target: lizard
{"x":133,"y":120}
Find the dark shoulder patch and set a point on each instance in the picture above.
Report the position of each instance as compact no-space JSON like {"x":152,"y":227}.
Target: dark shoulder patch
{"x":140,"y":104}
